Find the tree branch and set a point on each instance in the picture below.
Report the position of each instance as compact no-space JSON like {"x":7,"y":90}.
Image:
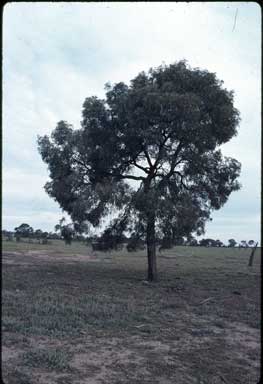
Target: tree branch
{"x":181,"y":176}
{"x":119,"y":176}
{"x":81,"y":163}
{"x":146,"y":170}
{"x":148,"y":158}
{"x":174,"y":163}
{"x":161,"y":146}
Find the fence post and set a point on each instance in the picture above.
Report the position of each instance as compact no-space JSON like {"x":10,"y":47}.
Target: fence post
{"x":250,"y":263}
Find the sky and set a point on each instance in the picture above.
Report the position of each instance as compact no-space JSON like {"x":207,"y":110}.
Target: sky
{"x":57,"y":54}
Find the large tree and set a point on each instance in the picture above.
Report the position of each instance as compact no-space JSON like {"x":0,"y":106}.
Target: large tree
{"x":24,"y":230}
{"x":232,"y":243}
{"x":149,"y":152}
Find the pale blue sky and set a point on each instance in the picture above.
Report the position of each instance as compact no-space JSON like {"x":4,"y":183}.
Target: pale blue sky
{"x":57,"y":54}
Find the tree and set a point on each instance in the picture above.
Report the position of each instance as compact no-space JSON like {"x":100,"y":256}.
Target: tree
{"x":57,"y":228}
{"x":67,"y":234}
{"x":38,"y":234}
{"x":190,"y":240}
{"x":193,"y":242}
{"x":251,"y":243}
{"x":150,"y":152}
{"x":232,"y":243}
{"x":45,"y":238}
{"x":66,"y":231}
{"x":243,"y":244}
{"x":24,"y":230}
{"x":53,"y":236}
{"x":208,"y":243}
{"x":218,"y":243}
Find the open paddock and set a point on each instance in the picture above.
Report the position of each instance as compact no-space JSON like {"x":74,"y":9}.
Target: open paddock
{"x":70,"y":315}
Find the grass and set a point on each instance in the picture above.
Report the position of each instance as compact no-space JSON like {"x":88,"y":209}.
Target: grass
{"x":45,"y":358}
{"x":58,"y":246}
{"x":65,"y":315}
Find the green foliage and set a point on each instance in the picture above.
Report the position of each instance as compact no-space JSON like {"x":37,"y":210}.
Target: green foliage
{"x":24,"y":230}
{"x":162,"y":133}
{"x":232,"y":243}
{"x":219,"y":243}
{"x":210,"y":243}
{"x":243,"y":244}
{"x":193,"y":242}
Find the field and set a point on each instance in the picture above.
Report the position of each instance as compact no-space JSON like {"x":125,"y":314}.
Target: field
{"x":72,"y":316}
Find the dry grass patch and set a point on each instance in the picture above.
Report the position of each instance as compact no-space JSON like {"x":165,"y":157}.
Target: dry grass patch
{"x":98,"y":323}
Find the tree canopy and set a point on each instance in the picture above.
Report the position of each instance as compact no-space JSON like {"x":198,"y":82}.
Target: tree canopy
{"x":232,"y":243}
{"x":149,"y":152}
{"x":24,"y":230}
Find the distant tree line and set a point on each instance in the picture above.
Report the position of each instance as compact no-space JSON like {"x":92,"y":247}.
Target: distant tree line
{"x":110,"y":240}
{"x":231,"y":243}
{"x":25,"y":232}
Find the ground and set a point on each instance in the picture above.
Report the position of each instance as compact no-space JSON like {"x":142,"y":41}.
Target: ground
{"x":72,"y":316}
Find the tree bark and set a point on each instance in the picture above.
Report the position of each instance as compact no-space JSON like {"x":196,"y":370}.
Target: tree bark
{"x":151,"y":248}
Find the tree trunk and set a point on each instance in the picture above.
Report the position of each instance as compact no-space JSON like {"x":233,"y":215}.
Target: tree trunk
{"x":151,"y":248}
{"x":250,"y":263}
